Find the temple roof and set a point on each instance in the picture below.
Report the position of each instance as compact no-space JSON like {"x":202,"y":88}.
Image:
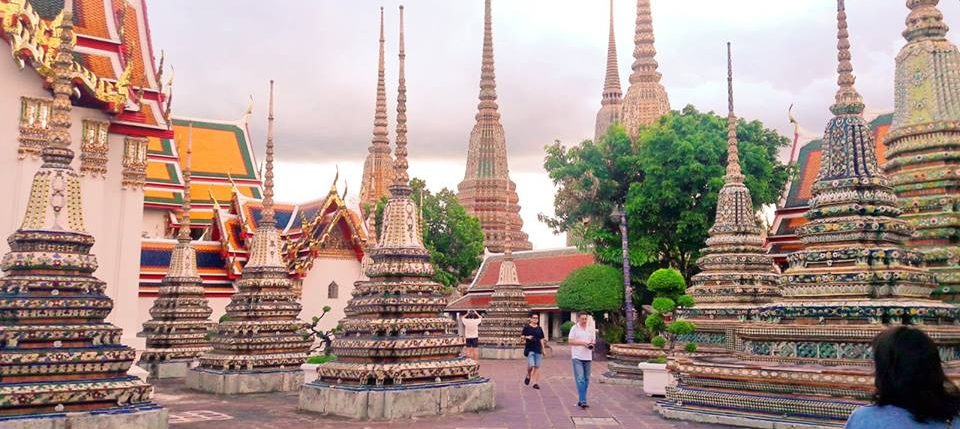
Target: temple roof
{"x":540,"y":273}
{"x":113,"y":58}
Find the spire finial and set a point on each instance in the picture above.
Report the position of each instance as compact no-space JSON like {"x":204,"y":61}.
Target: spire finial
{"x":848,"y":100}
{"x":58,"y":149}
{"x":925,"y":21}
{"x":644,"y":52}
{"x":268,"y":217}
{"x":380,"y":135}
{"x":733,"y":152}
{"x":611,"y":85}
{"x":184,"y":233}
{"x":488,"y":77}
{"x":401,"y":185}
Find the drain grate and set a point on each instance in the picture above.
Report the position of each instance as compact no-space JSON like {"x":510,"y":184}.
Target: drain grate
{"x":197,"y":416}
{"x":595,"y":421}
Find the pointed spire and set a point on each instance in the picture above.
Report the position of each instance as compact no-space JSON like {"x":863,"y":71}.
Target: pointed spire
{"x":488,"y":77}
{"x":848,"y":100}
{"x":508,"y":269}
{"x":925,"y":21}
{"x":733,"y":152}
{"x":58,"y":150}
{"x":184,"y":234}
{"x":612,"y":94}
{"x":268,"y":217}
{"x":380,"y":135}
{"x":401,"y":185}
{"x":644,"y":52}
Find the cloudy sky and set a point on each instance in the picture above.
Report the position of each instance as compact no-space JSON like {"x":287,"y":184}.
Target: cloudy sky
{"x":550,"y":65}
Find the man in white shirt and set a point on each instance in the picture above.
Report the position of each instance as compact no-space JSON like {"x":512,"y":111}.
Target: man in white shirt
{"x":471,"y":332}
{"x":582,"y":339}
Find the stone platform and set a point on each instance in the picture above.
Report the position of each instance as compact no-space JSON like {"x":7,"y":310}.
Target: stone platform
{"x":167,"y":369}
{"x":501,"y":353}
{"x":140,"y":417}
{"x":391,"y":402}
{"x":233,"y":383}
{"x":739,"y":420}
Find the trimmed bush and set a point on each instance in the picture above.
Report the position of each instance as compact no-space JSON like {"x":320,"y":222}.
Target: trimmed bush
{"x":666,"y":282}
{"x":690,"y":347}
{"x":594,"y":288}
{"x":565,"y":328}
{"x":659,"y":342}
{"x":322,"y":359}
{"x":664,"y":305}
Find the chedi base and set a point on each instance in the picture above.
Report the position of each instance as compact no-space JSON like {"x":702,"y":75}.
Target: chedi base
{"x":147,"y":416}
{"x":394,"y":402}
{"x":238,"y":383}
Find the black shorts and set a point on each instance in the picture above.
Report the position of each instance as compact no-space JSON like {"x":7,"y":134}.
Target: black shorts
{"x":473,"y":342}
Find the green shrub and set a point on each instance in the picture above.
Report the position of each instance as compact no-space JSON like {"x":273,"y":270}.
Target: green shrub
{"x":666,"y":282}
{"x":685,"y":301}
{"x":664,"y":305}
{"x":640,"y":336}
{"x":681,"y":327}
{"x":322,"y":359}
{"x":658,"y":359}
{"x":659,"y":342}
{"x":654,"y":323}
{"x":614,"y":334}
{"x":565,"y":328}
{"x":690,"y":347}
{"x":594,"y":288}
{"x":225,"y":318}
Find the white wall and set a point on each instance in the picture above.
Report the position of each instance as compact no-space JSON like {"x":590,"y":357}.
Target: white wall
{"x":325,"y":270}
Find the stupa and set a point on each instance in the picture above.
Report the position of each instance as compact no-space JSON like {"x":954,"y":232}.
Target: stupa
{"x":923,"y":146}
{"x":378,"y":167}
{"x":398,"y":355}
{"x":260,"y":343}
{"x":736,"y":273}
{"x":612,"y":100}
{"x":177,"y":332}
{"x":61,"y":364}
{"x":806,"y":359}
{"x":500,"y":331}
{"x":646,"y":99}
{"x":486,"y":190}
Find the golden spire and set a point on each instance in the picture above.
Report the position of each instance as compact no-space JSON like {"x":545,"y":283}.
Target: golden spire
{"x":848,"y":100}
{"x":268,"y":217}
{"x":58,"y":150}
{"x":612,"y":94}
{"x":401,"y":185}
{"x":644,"y":51}
{"x":184,"y":233}
{"x":925,"y":21}
{"x":733,"y":152}
{"x":380,"y":135}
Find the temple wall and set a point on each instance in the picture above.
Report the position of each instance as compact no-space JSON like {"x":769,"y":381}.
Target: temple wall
{"x":343,"y":271}
{"x":154,"y":222}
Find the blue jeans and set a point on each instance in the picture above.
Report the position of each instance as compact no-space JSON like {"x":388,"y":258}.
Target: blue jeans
{"x":534,"y":359}
{"x":581,"y":373}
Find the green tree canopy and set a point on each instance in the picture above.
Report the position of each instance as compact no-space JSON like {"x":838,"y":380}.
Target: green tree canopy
{"x":667,"y":180}
{"x":594,"y":288}
{"x":453,"y":237}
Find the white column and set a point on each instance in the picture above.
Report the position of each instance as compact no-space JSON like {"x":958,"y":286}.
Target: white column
{"x":545,"y":324}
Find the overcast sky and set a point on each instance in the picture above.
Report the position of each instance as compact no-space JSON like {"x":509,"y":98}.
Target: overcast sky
{"x":550,"y":66}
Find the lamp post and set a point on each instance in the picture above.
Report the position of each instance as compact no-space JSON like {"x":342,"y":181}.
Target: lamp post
{"x":619,"y":216}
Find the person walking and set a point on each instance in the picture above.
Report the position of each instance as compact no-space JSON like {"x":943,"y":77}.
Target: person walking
{"x":533,"y":350}
{"x":471,"y":332}
{"x":912,"y":390}
{"x":582,"y":339}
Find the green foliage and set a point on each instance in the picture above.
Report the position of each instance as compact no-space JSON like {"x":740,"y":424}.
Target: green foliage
{"x":663,"y":305}
{"x":681,"y":327}
{"x":565,"y":328}
{"x":690,"y":347}
{"x":659,"y":359}
{"x":666,"y":282}
{"x":613,"y":334}
{"x":322,"y":359}
{"x":225,"y":318}
{"x":667,"y":179}
{"x":594,"y":288}
{"x":654,"y":323}
{"x":453,"y":237}
{"x":659,"y":342}
{"x":640,"y":336}
{"x":685,"y":301}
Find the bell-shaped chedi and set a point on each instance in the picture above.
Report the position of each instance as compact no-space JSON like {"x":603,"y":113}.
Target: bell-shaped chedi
{"x":923,"y":146}
{"x":180,"y":316}
{"x":736,"y":273}
{"x":486,"y":190}
{"x":502,"y":327}
{"x":398,"y":355}
{"x":61,"y":364}
{"x":260,"y":343}
{"x":646,"y":99}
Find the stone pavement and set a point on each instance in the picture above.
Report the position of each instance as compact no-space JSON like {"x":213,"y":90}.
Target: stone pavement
{"x":518,"y":406}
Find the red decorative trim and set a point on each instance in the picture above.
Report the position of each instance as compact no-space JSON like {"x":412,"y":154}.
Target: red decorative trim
{"x":98,"y":44}
{"x":138,"y":131}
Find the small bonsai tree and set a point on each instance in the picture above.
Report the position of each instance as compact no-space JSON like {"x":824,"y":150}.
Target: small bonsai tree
{"x":669,"y":290}
{"x":323,"y":339}
{"x":595,"y":289}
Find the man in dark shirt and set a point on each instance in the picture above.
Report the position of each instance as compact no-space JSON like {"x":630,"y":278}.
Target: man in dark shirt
{"x":533,"y":349}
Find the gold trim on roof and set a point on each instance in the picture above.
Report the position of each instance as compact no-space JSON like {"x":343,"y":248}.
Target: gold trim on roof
{"x":34,"y":41}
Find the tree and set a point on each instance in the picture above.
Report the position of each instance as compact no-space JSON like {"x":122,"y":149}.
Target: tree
{"x":667,"y":180}
{"x":453,"y":237}
{"x":669,"y":288}
{"x":595,"y":289}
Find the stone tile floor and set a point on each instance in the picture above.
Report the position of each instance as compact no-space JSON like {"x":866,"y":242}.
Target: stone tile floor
{"x":518,"y":406}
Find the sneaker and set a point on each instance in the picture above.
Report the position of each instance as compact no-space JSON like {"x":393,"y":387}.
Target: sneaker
{"x":584,"y":405}
{"x":536,"y":386}
{"x":580,"y":404}
{"x":526,"y":381}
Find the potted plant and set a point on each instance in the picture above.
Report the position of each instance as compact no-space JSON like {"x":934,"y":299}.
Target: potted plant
{"x":669,"y":288}
{"x":322,"y":351}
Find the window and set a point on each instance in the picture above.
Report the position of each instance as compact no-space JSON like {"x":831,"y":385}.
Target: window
{"x":333,"y":290}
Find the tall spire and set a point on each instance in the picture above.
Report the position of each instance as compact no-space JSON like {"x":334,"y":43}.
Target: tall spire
{"x":401,"y":179}
{"x":925,"y":21}
{"x":612,"y":96}
{"x":486,"y":190}
{"x":184,"y":233}
{"x":380,"y":134}
{"x":378,"y":167}
{"x":848,"y":100}
{"x":733,"y":152}
{"x":646,"y":99}
{"x":268,"y":215}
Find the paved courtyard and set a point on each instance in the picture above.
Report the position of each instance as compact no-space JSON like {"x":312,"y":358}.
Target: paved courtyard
{"x":518,"y":406}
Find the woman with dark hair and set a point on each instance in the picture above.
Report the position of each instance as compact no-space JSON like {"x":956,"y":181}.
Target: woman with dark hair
{"x":912,"y":390}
